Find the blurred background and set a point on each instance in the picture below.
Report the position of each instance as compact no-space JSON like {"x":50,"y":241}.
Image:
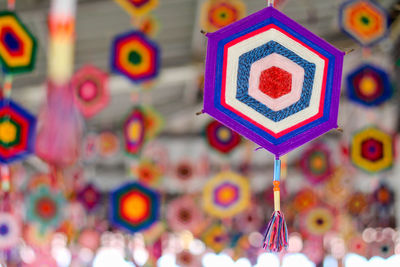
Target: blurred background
{"x":107,"y":160}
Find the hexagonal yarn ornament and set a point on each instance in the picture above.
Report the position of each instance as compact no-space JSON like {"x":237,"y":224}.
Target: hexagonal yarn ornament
{"x":272,"y":81}
{"x":134,"y":56}
{"x":316,"y":163}
{"x":277,"y":84}
{"x":369,"y":86}
{"x":90,"y":86}
{"x":216,"y":14}
{"x":134,"y":131}
{"x":226,"y":195}
{"x":221,"y":138}
{"x":138,"y":7}
{"x":89,"y":197}
{"x":134,"y":207}
{"x":45,"y":207}
{"x":10,"y":230}
{"x":17,"y":132}
{"x":372,"y":150}
{"x":216,"y":237}
{"x":364,"y":20}
{"x":17,"y":45}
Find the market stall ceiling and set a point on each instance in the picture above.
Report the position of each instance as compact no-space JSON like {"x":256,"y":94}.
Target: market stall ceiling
{"x":182,"y":45}
{"x":99,"y":21}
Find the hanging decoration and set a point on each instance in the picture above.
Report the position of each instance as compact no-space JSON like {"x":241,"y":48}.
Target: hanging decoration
{"x":372,"y":150}
{"x":364,"y":20}
{"x":90,"y":87}
{"x":318,"y":221}
{"x":107,"y":144}
{"x":187,"y":258}
{"x":149,"y":25}
{"x":59,"y":136}
{"x":316,"y":163}
{"x":216,"y":14}
{"x":369,"y":86}
{"x":148,"y":173}
{"x":216,"y":237}
{"x":59,"y":132}
{"x":45,"y":208}
{"x":357,"y":204}
{"x":138,"y":7}
{"x":277,"y":84}
{"x":383,"y":196}
{"x":17,"y":132}
{"x":17,"y":44}
{"x":89,"y":197}
{"x":10,"y":230}
{"x":221,"y":138}
{"x":305,"y":199}
{"x":282,"y":116}
{"x":226,"y":195}
{"x":134,"y":207}
{"x":135,"y":57}
{"x":134,"y":131}
{"x":184,"y":214}
{"x":154,"y":122}
{"x":184,"y":170}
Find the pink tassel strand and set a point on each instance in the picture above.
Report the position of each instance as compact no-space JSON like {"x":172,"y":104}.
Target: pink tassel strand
{"x":276,"y":235}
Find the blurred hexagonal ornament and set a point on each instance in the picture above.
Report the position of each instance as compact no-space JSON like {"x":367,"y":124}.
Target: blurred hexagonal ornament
{"x":135,"y":56}
{"x":134,"y":207}
{"x":216,"y":14}
{"x":90,"y":86}
{"x":17,"y":44}
{"x":221,"y":138}
{"x":226,"y":195}
{"x":138,"y":7}
{"x":134,"y":131}
{"x":364,"y":20}
{"x":17,"y":132}
{"x":369,"y":85}
{"x":372,"y":150}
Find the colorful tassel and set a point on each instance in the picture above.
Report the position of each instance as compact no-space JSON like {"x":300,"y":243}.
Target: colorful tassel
{"x":59,"y":136}
{"x":276,"y":234}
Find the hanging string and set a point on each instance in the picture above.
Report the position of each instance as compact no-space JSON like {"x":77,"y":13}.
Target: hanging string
{"x":276,"y":235}
{"x":5,"y":186}
{"x":366,"y":53}
{"x":276,"y":183}
{"x":11,"y":4}
{"x":5,"y":178}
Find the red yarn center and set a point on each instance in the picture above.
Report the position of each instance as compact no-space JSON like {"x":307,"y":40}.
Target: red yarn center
{"x":275,"y":82}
